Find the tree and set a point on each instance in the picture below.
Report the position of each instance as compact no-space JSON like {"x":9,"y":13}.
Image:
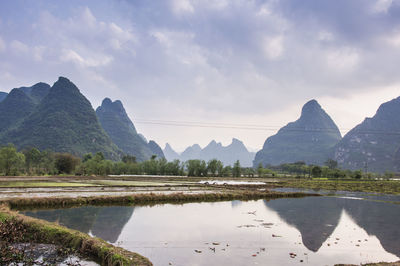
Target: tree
{"x":66,"y":163}
{"x":87,"y":157}
{"x":237,"y":170}
{"x":196,"y":168}
{"x":357,"y":174}
{"x":316,"y":171}
{"x":332,"y":164}
{"x":129,"y":159}
{"x":227,"y":171}
{"x":33,"y":158}
{"x":11,"y":161}
{"x":220,"y":168}
{"x":260,"y":170}
{"x":212,"y":166}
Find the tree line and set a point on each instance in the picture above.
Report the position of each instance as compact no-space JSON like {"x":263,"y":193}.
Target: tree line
{"x":35,"y":162}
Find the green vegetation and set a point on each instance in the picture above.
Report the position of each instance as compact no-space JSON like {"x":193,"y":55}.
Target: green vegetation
{"x":329,"y":170}
{"x":116,"y":123}
{"x":14,"y":109}
{"x":149,"y":198}
{"x":373,"y":186}
{"x":63,"y":121}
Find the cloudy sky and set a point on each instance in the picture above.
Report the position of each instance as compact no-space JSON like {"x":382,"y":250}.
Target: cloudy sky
{"x":189,"y":71}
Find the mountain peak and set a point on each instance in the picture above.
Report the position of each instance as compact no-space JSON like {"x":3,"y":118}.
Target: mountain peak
{"x":16,"y":93}
{"x":106,"y":101}
{"x":15,"y":107}
{"x":62,"y":86}
{"x":116,"y":106}
{"x":310,"y":106}
{"x":167,"y":146}
{"x":236,"y":141}
{"x":63,"y":79}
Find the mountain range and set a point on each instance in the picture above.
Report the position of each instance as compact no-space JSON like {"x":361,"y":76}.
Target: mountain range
{"x":373,"y":145}
{"x":228,"y":155}
{"x":60,"y":118}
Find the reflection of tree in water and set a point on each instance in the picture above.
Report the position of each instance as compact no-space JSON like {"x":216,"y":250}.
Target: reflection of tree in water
{"x":104,"y":222}
{"x":317,"y":218}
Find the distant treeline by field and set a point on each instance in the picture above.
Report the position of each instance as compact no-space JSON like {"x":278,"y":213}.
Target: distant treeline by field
{"x":33,"y":162}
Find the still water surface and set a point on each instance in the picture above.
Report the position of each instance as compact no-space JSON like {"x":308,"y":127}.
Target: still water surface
{"x":349,"y":228}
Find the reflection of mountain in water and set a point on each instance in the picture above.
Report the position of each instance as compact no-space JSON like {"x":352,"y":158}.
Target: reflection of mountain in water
{"x":104,"y":222}
{"x":236,"y":203}
{"x":110,"y":221}
{"x":317,"y":218}
{"x":379,"y":219}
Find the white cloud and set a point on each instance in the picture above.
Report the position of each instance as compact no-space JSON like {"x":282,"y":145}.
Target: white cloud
{"x":18,"y":47}
{"x":88,"y":18}
{"x":182,"y":7}
{"x":68,"y":55}
{"x":381,"y":6}
{"x":343,"y":60}
{"x":2,"y":45}
{"x":325,"y":36}
{"x":393,"y":39}
{"x":38,"y":52}
{"x":273,"y":47}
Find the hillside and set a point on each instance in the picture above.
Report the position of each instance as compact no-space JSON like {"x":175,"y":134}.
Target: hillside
{"x":311,"y":139}
{"x":115,"y":121}
{"x":64,"y":121}
{"x":14,"y":108}
{"x":373,"y":144}
{"x":37,"y":92}
{"x":3,"y":95}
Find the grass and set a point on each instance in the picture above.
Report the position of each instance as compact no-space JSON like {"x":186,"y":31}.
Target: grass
{"x":40,"y":231}
{"x":147,"y":198}
{"x":371,"y":186}
{"x":27,"y":184}
{"x":128,"y":183}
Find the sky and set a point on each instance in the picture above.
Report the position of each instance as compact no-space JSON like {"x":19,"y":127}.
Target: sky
{"x":190,"y":71}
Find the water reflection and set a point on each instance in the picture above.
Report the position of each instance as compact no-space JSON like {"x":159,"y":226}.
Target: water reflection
{"x":316,"y":218}
{"x":104,"y":222}
{"x":320,"y":231}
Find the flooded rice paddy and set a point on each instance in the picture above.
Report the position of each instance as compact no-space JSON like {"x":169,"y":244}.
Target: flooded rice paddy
{"x":347,"y":228}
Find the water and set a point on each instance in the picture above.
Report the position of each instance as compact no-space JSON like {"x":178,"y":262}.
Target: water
{"x":305,"y":231}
